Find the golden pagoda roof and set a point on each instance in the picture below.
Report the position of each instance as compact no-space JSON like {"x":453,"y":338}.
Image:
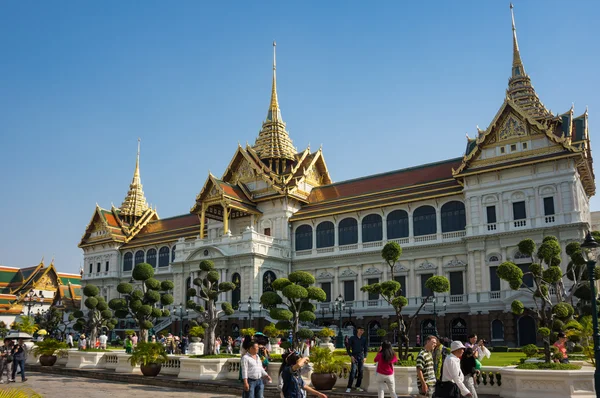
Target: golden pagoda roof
{"x":273,"y":141}
{"x":520,"y":90}
{"x":135,"y":203}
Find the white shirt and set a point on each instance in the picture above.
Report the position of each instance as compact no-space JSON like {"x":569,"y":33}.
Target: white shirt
{"x":70,"y":339}
{"x":103,"y":339}
{"x":453,"y":373}
{"x":252,"y":368}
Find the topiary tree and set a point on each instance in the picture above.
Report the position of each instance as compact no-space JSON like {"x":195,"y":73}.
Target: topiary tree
{"x":295,"y":306}
{"x":391,"y":292}
{"x":56,"y":321}
{"x":141,"y":303}
{"x":208,"y":291}
{"x":552,"y":301}
{"x":98,"y":314}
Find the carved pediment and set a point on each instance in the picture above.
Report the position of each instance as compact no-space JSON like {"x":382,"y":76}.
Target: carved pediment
{"x":46,"y":282}
{"x":373,"y":271}
{"x":400,"y":268}
{"x":512,"y":127}
{"x":455,"y":263}
{"x":348,"y":273}
{"x":243,"y":173}
{"x":325,"y":275}
{"x":426,"y":265}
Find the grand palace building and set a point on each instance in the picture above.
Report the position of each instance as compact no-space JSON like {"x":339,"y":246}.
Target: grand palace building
{"x":276,"y":209}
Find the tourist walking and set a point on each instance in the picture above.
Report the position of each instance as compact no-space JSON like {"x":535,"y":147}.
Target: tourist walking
{"x":82,"y":343}
{"x":425,"y":369}
{"x":6,"y":360}
{"x":468,"y":366}
{"x":561,"y":344}
{"x":19,"y":354}
{"x":384,"y":375}
{"x":218,"y":346}
{"x":229,"y":345}
{"x":290,"y":377}
{"x":357,"y":350}
{"x":253,"y":373}
{"x":70,"y":340}
{"x":103,"y":339}
{"x":128,"y":345}
{"x":452,"y":385}
{"x":134,"y":339}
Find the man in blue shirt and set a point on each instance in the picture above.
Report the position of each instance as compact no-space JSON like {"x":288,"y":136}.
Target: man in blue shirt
{"x":357,"y":350}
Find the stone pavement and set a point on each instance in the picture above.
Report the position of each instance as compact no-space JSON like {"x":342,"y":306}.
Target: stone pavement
{"x":61,"y":386}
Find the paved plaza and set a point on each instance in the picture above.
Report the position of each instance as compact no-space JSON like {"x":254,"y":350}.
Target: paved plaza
{"x":59,"y":386}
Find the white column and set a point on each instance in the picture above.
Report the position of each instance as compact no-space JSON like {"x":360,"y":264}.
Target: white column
{"x":359,"y":230}
{"x":358,"y":293}
{"x":438,"y":222}
{"x":335,"y":289}
{"x":384,"y":227}
{"x":471,"y":277}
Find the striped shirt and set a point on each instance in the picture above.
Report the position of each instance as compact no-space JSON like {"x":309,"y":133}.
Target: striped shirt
{"x":425,"y":364}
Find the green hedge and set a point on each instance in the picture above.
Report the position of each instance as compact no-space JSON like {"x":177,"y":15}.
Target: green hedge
{"x":549,"y":366}
{"x":214,"y":356}
{"x":500,"y":349}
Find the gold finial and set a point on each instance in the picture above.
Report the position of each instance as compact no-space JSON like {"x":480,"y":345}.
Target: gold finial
{"x":518,"y":69}
{"x":135,"y":203}
{"x":274,"y":114}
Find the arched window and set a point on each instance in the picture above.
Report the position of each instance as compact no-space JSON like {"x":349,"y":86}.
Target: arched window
{"x":348,"y":231}
{"x":139,"y":257}
{"x":424,"y":221}
{"x":325,"y":234}
{"x":304,"y":237}
{"x":453,"y":216}
{"x":188,"y":286}
{"x":236,"y":292}
{"x":373,"y":338}
{"x":372,"y":229}
{"x":151,"y":257}
{"x":397,"y":224}
{"x":268,"y":278}
{"x":163,"y":257}
{"x":128,"y":262}
{"x":497,"y":330}
{"x":458,"y":329}
{"x":173,"y":253}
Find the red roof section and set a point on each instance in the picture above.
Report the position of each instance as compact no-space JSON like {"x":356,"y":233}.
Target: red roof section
{"x":387,"y":181}
{"x":168,"y":224}
{"x":110,"y":218}
{"x":233,"y":191}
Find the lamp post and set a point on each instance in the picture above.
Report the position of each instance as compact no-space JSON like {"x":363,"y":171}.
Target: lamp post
{"x":349,"y":310}
{"x":435,"y":314}
{"x":590,"y":247}
{"x":32,"y":299}
{"x":180,"y":315}
{"x":249,"y":310}
{"x":339,"y":305}
{"x":323,"y":312}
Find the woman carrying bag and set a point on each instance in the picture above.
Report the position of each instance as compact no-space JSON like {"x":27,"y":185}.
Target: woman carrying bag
{"x":452,"y":384}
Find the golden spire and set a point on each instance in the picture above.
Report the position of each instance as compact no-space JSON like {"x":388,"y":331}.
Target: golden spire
{"x":135,"y":203}
{"x":274,"y":113}
{"x":517,"y":69}
{"x":273,"y":143}
{"x":520,"y":90}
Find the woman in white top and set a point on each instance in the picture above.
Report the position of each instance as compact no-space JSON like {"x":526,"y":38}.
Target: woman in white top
{"x":452,"y":372}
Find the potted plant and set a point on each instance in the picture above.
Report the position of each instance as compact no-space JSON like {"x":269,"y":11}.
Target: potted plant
{"x":48,"y":349}
{"x":150,"y":357}
{"x":326,"y":334}
{"x":273,"y":333}
{"x":196,"y":333}
{"x":248,"y":332}
{"x":326,"y":367}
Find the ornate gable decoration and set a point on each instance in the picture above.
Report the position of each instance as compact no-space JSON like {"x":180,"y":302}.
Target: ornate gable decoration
{"x":427,"y":265}
{"x":512,"y":128}
{"x":400,"y":268}
{"x":372,"y":271}
{"x":243,"y":173}
{"x":325,"y":275}
{"x":455,"y":263}
{"x":348,"y":273}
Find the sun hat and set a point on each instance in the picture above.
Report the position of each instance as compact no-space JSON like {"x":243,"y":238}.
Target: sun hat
{"x":456,"y":345}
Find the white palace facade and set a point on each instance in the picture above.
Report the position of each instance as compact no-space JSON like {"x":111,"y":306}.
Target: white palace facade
{"x":275,"y":209}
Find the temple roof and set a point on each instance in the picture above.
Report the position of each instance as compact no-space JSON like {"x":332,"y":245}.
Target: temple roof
{"x":273,"y":141}
{"x":399,"y":186}
{"x":134,"y":205}
{"x":166,"y":230}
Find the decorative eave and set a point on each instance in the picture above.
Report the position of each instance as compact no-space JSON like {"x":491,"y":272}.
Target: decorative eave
{"x":29,"y":278}
{"x":546,"y":127}
{"x":111,"y":237}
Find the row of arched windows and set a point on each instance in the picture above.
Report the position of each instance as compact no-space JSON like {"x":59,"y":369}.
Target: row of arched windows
{"x":150,"y":257}
{"x":236,"y":293}
{"x":452,"y":215}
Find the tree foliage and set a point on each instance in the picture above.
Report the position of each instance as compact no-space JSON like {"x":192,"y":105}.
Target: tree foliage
{"x":97,"y":317}
{"x":141,"y":301}
{"x":290,"y":304}
{"x":207,"y":290}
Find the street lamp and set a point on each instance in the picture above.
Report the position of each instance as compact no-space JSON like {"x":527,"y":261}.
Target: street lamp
{"x":349,"y":311}
{"x":180,"y":315}
{"x":590,"y":254}
{"x":32,"y":299}
{"x":323,"y":312}
{"x":339,"y":305}
{"x":249,"y":310}
{"x":435,"y":314}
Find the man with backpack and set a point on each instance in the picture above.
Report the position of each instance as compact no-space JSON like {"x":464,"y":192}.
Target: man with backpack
{"x":19,"y":353}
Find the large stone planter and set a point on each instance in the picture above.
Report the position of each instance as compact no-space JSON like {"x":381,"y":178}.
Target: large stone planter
{"x":110,"y":360}
{"x":47,"y":360}
{"x":203,"y":369}
{"x":151,"y":370}
{"x":547,"y":383}
{"x":124,"y":366}
{"x":323,"y":381}
{"x":196,"y":349}
{"x":406,"y":380}
{"x":83,"y":359}
{"x":172,"y":366}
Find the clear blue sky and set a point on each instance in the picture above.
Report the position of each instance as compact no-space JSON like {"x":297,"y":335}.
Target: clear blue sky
{"x":382,"y":85}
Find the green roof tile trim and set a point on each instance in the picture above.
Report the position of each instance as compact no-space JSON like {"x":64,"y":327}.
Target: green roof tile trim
{"x":9,"y":276}
{"x":66,"y":279}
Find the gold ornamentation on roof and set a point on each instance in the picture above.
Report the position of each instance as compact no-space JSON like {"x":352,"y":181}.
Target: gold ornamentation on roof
{"x":520,"y":90}
{"x":273,"y":141}
{"x":135,"y":203}
{"x":511,"y":128}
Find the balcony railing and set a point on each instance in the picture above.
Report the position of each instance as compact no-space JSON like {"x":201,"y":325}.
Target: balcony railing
{"x":425,"y":238}
{"x":520,"y":223}
{"x":549,"y":219}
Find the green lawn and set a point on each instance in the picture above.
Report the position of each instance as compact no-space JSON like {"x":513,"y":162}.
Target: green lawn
{"x":497,"y":358}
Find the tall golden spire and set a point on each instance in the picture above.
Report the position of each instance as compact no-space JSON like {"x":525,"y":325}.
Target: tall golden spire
{"x":135,"y":203}
{"x":273,"y":144}
{"x":520,"y":90}
{"x":517,"y":69}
